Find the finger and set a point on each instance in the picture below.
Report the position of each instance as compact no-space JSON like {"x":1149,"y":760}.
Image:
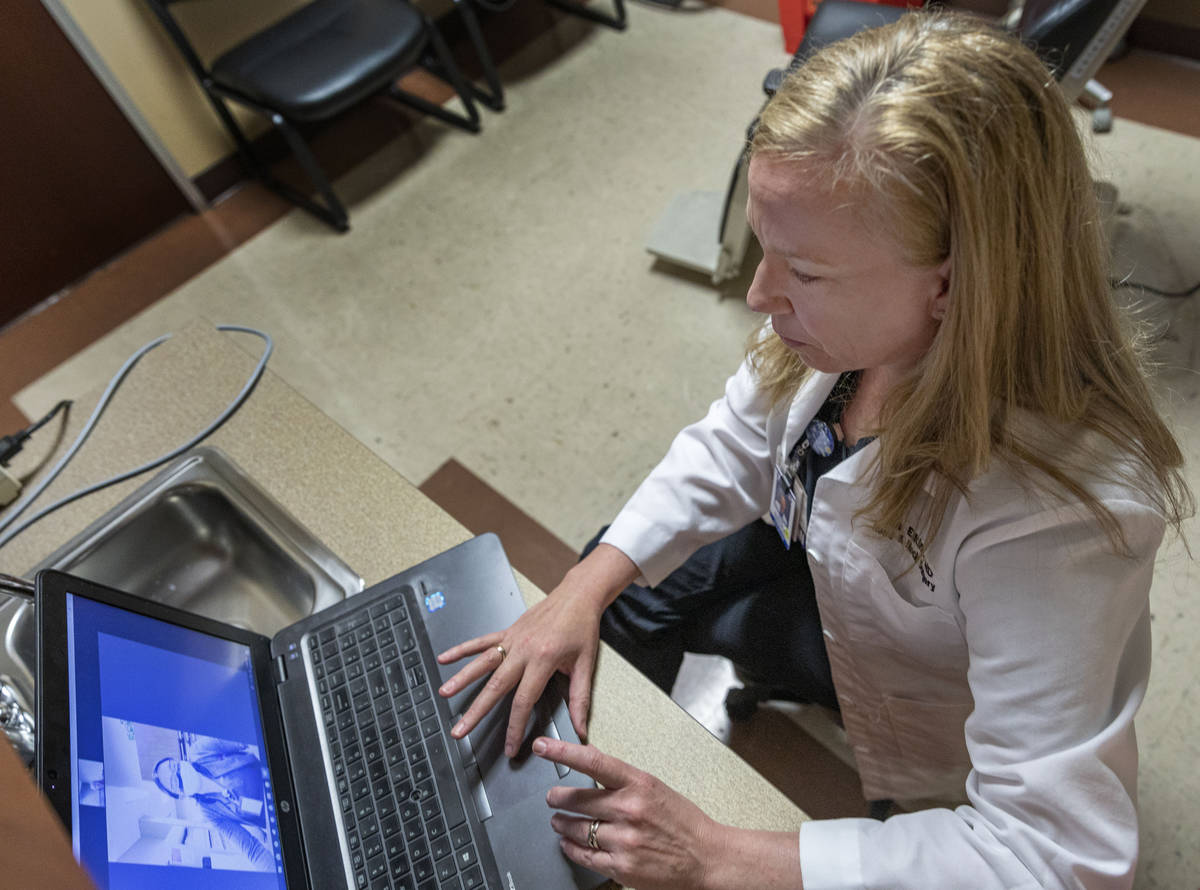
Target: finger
{"x":498,"y":686}
{"x":574,"y":828}
{"x":579,"y":697}
{"x":597,"y":860}
{"x":471,"y":647}
{"x":489,"y":661}
{"x":608,"y":771}
{"x":523,"y":703}
{"x":593,"y":802}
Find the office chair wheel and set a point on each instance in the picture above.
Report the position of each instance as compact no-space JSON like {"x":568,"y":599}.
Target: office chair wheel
{"x":741,"y":704}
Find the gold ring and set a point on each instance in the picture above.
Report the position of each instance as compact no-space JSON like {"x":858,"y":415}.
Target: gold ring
{"x":592,"y":842}
{"x":503,"y":654}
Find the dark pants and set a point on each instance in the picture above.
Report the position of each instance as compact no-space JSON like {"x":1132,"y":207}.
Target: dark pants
{"x":744,"y":597}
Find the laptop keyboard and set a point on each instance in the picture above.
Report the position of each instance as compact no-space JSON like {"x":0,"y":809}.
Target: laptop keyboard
{"x":406,"y":823}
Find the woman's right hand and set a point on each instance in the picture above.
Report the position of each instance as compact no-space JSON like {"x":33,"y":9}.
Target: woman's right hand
{"x":561,"y":633}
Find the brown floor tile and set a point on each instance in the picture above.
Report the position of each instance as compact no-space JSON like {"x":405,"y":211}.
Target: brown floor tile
{"x":531,"y":549}
{"x":1161,"y":91}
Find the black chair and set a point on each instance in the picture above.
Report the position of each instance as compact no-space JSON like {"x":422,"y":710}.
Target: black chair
{"x":314,"y":64}
{"x":493,"y":96}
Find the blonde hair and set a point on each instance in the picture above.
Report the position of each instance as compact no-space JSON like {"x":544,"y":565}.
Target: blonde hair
{"x":961,"y":145}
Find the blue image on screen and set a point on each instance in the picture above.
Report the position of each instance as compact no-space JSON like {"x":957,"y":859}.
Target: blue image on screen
{"x":166,"y":727}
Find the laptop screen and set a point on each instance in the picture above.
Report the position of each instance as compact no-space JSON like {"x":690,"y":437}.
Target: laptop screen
{"x":168,"y":763}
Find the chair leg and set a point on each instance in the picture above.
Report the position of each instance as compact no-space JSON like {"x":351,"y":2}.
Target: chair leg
{"x":332,"y":212}
{"x":493,"y":96}
{"x":616,"y":21}
{"x":453,"y":76}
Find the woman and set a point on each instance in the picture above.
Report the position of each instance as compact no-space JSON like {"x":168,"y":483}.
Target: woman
{"x":951,"y":431}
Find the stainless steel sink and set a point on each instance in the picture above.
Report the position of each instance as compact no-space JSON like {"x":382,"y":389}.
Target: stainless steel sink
{"x":201,"y":536}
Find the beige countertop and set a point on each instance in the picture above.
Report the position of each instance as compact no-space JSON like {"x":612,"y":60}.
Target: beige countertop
{"x":375,"y":520}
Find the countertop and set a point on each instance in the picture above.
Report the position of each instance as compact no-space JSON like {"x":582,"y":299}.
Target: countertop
{"x":375,"y":520}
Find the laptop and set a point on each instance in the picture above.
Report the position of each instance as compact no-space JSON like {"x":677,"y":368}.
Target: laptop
{"x":186,"y":753}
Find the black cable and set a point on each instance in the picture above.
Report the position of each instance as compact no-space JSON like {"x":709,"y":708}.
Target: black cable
{"x":10,"y":446}
{"x":1154,"y":290}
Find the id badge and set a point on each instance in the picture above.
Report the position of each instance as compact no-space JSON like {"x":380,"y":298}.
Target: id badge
{"x":788,"y":509}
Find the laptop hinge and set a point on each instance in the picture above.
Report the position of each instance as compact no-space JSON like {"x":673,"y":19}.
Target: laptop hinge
{"x":280,"y":670}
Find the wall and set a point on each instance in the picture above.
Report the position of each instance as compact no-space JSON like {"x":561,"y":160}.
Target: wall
{"x":142,"y":58}
{"x":1177,"y":12}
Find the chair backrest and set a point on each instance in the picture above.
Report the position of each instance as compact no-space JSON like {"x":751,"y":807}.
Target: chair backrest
{"x":1076,"y":37}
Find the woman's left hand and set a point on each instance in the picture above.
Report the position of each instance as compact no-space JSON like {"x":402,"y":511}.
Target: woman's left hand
{"x":647,"y":835}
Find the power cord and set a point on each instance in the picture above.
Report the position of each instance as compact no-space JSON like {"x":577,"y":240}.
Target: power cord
{"x":10,"y":446}
{"x":7,"y":533}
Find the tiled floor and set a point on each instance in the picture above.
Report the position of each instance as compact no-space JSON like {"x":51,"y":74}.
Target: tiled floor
{"x":534,"y":431}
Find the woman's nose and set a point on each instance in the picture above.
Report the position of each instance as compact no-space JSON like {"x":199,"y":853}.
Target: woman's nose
{"x":766,"y":294}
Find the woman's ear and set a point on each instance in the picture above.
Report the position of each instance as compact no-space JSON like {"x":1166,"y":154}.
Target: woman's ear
{"x":941,"y":300}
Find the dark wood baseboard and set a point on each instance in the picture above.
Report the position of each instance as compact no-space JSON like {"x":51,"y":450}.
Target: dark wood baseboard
{"x":1158,"y":36}
{"x":533,"y":550}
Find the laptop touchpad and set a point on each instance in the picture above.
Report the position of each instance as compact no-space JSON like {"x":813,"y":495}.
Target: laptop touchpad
{"x":509,"y":781}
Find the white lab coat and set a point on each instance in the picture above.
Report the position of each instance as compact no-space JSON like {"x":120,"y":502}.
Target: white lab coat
{"x":1004,"y":670}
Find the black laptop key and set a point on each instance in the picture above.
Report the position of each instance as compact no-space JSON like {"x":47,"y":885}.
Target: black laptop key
{"x":378,"y":683}
{"x":446,"y":868}
{"x":441,"y":848}
{"x":376,"y":867}
{"x":341,"y":700}
{"x":394,"y":672}
{"x":407,"y":641}
{"x":361,"y":788}
{"x":408,"y":718}
{"x":370,"y":734}
{"x":435,"y":828}
{"x":472,"y":879}
{"x":373,"y":848}
{"x":423,"y":869}
{"x":410,"y":810}
{"x":412,"y":659}
{"x":460,"y":837}
{"x":466,"y":858}
{"x":390,"y":827}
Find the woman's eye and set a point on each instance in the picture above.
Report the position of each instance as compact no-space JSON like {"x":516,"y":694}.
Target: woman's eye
{"x":802,"y":278}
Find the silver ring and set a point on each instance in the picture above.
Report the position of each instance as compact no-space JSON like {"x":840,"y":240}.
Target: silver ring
{"x":503,"y":654}
{"x":592,"y":842}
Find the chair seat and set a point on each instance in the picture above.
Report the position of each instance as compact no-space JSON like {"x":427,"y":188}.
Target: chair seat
{"x":836,"y":19}
{"x":324,"y":57}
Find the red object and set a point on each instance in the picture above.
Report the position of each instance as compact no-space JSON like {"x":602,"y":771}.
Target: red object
{"x":794,"y":16}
